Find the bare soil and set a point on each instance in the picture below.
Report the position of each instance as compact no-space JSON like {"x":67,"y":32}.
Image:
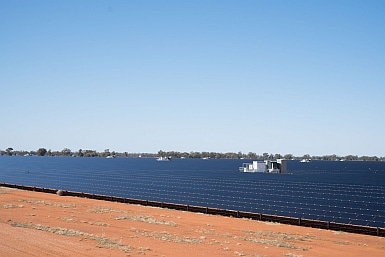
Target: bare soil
{"x":39,"y":224}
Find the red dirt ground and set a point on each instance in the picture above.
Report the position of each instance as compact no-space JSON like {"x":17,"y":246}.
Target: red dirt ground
{"x":39,"y":224}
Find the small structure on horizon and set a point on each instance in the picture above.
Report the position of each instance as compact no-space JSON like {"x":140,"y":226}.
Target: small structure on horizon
{"x":268,"y":166}
{"x":163,"y":159}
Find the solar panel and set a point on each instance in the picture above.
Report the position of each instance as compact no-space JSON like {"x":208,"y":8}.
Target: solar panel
{"x":326,"y":191}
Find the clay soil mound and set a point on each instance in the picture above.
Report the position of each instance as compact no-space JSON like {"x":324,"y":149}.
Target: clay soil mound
{"x":39,"y":224}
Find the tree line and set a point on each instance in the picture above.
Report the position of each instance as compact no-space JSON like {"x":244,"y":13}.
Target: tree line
{"x":175,"y":154}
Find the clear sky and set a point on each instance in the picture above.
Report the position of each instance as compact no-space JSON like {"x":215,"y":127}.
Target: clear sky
{"x":300,"y":77}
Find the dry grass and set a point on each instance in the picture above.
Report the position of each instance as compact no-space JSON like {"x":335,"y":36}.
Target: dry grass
{"x":166,"y":236}
{"x":101,"y":209}
{"x":270,"y":238}
{"x":102,"y":241}
{"x":97,"y":223}
{"x":277,"y":239}
{"x":148,"y":219}
{"x":11,"y":206}
{"x":46,"y":203}
{"x":282,"y":236}
{"x":4,"y":190}
{"x":271,"y":242}
{"x":244,"y":255}
{"x":292,"y":255}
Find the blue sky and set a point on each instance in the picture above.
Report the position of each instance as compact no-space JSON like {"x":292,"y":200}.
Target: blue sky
{"x":141,"y":76}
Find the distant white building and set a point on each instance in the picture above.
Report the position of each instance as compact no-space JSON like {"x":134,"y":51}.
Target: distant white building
{"x":255,"y":166}
{"x":278,"y":166}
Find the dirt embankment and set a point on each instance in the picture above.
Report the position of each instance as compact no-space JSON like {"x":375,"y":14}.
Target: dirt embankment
{"x":38,"y":224}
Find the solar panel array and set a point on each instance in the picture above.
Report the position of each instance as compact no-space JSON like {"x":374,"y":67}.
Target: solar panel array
{"x":306,"y":193}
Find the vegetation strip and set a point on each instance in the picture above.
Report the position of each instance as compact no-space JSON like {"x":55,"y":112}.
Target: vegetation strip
{"x":175,"y":154}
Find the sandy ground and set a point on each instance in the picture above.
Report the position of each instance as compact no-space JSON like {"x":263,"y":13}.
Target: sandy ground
{"x":39,"y":224}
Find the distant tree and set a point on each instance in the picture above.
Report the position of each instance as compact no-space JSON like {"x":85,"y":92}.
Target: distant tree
{"x":106,"y":153}
{"x":41,"y":152}
{"x":90,"y":153}
{"x":351,"y":157}
{"x":265,"y":156}
{"x":194,"y":155}
{"x":277,"y":156}
{"x":66,"y":152}
{"x":218,"y":155}
{"x":9,"y":151}
{"x":252,"y":155}
{"x":80,"y":153}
